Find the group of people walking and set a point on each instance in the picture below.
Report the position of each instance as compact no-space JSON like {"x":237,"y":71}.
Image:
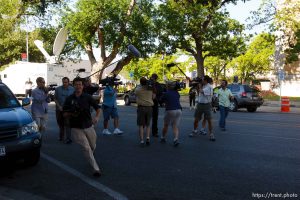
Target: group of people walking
{"x":74,"y":106}
{"x":148,"y":96}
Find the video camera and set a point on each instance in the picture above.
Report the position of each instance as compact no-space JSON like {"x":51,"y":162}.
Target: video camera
{"x":176,"y":85}
{"x":150,"y":84}
{"x":195,"y":82}
{"x":75,"y":109}
{"x":111,"y":80}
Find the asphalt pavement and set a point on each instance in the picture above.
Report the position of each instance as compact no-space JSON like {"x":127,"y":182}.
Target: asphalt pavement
{"x":258,"y":157}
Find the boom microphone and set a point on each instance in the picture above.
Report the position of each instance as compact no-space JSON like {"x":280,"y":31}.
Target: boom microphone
{"x":134,"y":51}
{"x":171,"y":65}
{"x":175,"y":64}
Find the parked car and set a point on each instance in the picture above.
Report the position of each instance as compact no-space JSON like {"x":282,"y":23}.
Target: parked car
{"x":129,"y":97}
{"x":19,"y":134}
{"x":245,"y":96}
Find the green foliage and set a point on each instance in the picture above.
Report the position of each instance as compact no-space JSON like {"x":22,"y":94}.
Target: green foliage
{"x":215,"y":67}
{"x":13,"y":35}
{"x":284,"y":17}
{"x":292,"y":53}
{"x":155,"y":64}
{"x":269,"y":95}
{"x":106,"y":20}
{"x":257,"y":59}
{"x":200,"y":28}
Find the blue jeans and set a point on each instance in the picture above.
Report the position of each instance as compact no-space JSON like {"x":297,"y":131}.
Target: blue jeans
{"x":223,"y":114}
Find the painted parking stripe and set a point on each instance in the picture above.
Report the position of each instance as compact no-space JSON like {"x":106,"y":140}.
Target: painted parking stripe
{"x":95,"y":184}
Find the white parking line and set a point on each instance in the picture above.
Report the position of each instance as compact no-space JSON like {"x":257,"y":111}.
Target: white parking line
{"x":95,"y":184}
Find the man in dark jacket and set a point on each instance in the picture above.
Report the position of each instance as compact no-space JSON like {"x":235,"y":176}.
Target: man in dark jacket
{"x":158,"y":91}
{"x":78,"y":108}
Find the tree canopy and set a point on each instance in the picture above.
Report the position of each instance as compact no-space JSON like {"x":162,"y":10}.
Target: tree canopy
{"x":257,"y":59}
{"x":111,"y":26}
{"x":13,"y":22}
{"x":199,"y":27}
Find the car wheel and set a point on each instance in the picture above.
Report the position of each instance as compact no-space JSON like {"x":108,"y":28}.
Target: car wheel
{"x":127,"y":101}
{"x":32,"y":157}
{"x":251,"y":109}
{"x":233,"y":107}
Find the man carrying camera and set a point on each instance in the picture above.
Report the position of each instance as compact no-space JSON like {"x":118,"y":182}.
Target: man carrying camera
{"x":205,"y":91}
{"x":109,"y":107}
{"x":144,"y":100}
{"x":77,"y":107}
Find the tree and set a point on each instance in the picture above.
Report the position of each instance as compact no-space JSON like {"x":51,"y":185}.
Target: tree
{"x":200,"y":28}
{"x":111,"y":26}
{"x":154,"y":64}
{"x":287,"y":19}
{"x":284,"y":17}
{"x":257,"y":59}
{"x":215,"y":67}
{"x":12,"y":33}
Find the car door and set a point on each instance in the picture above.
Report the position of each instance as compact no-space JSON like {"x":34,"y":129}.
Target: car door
{"x":132,"y":95}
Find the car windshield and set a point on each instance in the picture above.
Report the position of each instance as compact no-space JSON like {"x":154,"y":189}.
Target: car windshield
{"x":234,"y":87}
{"x":251,"y":88}
{"x":7,"y":99}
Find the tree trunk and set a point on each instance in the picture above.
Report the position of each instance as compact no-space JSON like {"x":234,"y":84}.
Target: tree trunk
{"x":121,"y":64}
{"x":200,"y":66}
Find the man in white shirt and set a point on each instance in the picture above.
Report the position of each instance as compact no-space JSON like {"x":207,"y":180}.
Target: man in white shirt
{"x":204,"y":107}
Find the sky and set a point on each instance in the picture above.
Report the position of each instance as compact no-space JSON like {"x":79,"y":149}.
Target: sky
{"x":242,"y":10}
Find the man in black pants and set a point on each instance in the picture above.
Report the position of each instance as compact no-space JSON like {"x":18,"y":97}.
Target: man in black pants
{"x":157,"y":90}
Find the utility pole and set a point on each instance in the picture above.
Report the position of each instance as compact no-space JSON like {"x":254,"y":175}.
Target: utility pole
{"x":27,"y":49}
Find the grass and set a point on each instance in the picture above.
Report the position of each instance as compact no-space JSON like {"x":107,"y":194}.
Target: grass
{"x":269,"y":95}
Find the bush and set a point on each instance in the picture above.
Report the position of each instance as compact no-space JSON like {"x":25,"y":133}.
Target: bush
{"x":184,"y":92}
{"x":270,"y":95}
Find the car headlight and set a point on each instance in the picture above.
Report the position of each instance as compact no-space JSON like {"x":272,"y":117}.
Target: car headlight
{"x":29,"y":128}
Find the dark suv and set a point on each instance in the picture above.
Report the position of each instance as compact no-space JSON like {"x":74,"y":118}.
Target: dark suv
{"x":19,"y":135}
{"x":245,"y":96}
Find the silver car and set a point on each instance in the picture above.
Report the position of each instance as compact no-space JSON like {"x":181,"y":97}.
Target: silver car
{"x":245,"y":96}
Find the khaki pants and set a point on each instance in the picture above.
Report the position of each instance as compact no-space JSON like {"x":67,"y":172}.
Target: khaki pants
{"x":86,"y":138}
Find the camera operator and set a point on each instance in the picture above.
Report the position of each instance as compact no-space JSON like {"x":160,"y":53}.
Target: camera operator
{"x":192,"y":96}
{"x":109,"y":107}
{"x":90,"y":88}
{"x":205,"y":91}
{"x":77,"y":107}
{"x":173,"y":111}
{"x":39,"y":106}
{"x":144,"y":100}
{"x":158,"y":91}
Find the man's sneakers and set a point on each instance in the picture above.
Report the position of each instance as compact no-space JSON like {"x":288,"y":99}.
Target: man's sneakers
{"x":118,"y":131}
{"x":203,"y":132}
{"x":106,"y":132}
{"x":97,"y":173}
{"x":175,"y":143}
{"x":212,"y":137}
{"x":194,"y":132}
